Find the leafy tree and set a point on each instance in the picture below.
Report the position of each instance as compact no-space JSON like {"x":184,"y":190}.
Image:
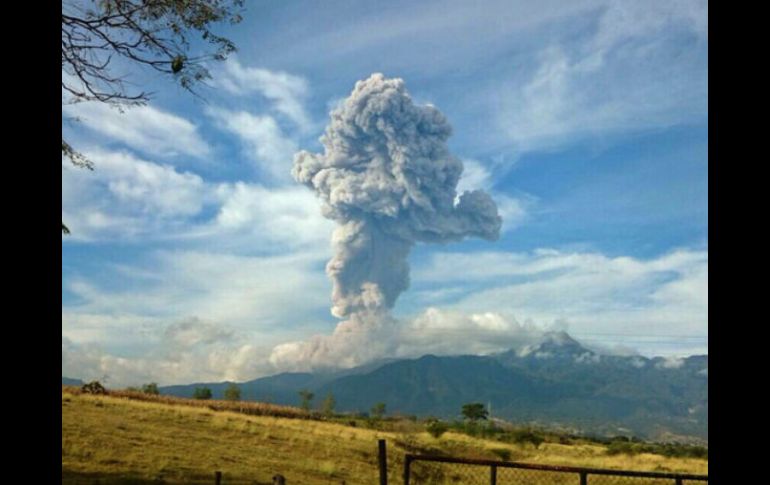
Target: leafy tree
{"x":474,"y":412}
{"x":151,"y":388}
{"x":306,"y":397}
{"x":233,"y":393}
{"x":328,"y":405}
{"x":378,"y":410}
{"x":101,"y":39}
{"x":202,"y":393}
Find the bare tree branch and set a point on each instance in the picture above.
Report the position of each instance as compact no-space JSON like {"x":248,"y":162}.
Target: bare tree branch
{"x":155,"y":34}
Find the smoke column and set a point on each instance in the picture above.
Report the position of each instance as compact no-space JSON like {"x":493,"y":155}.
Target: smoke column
{"x":388,"y":180}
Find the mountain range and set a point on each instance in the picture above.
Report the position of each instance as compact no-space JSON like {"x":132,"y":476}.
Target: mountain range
{"x":557,"y":383}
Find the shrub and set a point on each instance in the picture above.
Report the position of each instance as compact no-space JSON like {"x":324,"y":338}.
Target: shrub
{"x":436,"y":428}
{"x":503,"y":453}
{"x":151,"y":388}
{"x":202,"y":393}
{"x":490,"y":430}
{"x":470,"y":428}
{"x":671,"y":450}
{"x":527,"y":436}
{"x":94,"y":387}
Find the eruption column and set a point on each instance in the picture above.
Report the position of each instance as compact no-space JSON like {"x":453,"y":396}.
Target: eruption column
{"x":388,"y":180}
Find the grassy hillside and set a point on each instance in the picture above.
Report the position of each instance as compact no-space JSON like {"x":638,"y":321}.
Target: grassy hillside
{"x":115,"y":439}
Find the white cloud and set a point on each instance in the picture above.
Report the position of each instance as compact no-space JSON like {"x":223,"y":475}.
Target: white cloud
{"x":134,"y":199}
{"x":193,"y":349}
{"x":245,"y":292}
{"x":143,"y":128}
{"x":657,"y":306}
{"x":670,"y":363}
{"x":624,"y":21}
{"x":264,"y":141}
{"x":588,"y":358}
{"x":289,"y":216}
{"x":435,"y":331}
{"x":193,"y":331}
{"x":127,"y":196}
{"x":632,"y":73}
{"x":164,"y":363}
{"x":117,"y":329}
{"x":475,"y":176}
{"x":441,"y":31}
{"x":513,"y":210}
{"x":255,"y":292}
{"x":451,"y":332}
{"x":187,"y":316}
{"x":150,"y":187}
{"x":287,"y":91}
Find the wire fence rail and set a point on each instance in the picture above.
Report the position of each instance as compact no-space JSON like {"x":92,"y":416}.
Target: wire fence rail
{"x":439,"y":470}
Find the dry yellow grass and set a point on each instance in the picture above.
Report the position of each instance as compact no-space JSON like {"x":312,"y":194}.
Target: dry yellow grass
{"x":123,"y":440}
{"x":245,"y":407}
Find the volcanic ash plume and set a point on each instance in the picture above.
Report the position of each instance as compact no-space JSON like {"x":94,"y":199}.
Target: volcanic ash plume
{"x":387,"y":178}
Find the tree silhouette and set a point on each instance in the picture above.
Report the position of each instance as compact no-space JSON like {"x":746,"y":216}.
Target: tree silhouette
{"x":328,"y":405}
{"x":378,"y":410}
{"x":233,"y":393}
{"x":306,"y":397}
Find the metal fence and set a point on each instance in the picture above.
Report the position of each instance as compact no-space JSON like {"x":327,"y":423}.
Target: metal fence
{"x":435,"y":470}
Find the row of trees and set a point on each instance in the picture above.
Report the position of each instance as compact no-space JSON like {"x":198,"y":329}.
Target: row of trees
{"x":327,"y":406}
{"x":472,"y":412}
{"x":232,"y":392}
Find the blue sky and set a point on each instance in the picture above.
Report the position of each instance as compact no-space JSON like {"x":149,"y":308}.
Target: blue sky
{"x":193,"y":253}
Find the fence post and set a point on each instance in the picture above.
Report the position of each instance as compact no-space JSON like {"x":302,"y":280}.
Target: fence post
{"x":678,"y":481}
{"x":217,"y":477}
{"x":279,"y":480}
{"x":493,"y":475}
{"x":407,"y":463}
{"x":583,"y":478}
{"x":383,"y":462}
